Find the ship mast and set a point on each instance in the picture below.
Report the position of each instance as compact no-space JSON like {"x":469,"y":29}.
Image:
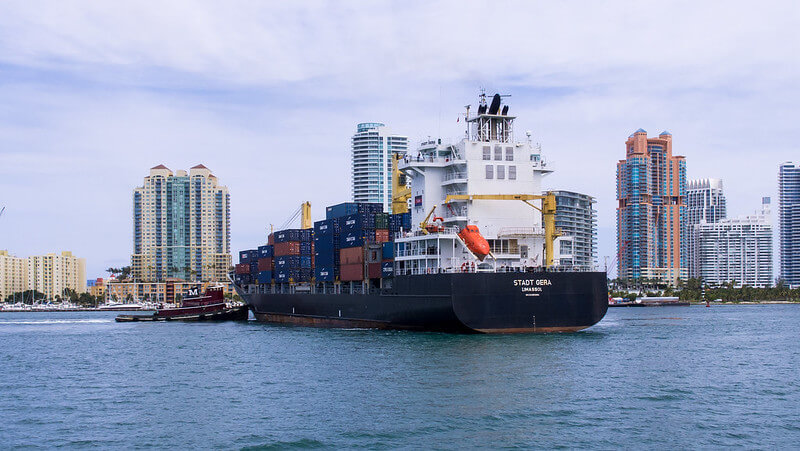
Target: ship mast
{"x":491,"y":123}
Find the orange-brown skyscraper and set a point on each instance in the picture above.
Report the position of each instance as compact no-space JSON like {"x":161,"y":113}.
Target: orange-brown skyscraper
{"x":651,"y":191}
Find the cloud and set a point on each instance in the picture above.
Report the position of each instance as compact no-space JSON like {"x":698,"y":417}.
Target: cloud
{"x":268,"y":94}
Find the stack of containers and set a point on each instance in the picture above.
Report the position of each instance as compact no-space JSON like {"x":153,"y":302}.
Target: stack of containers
{"x":399,"y":221}
{"x":265,"y":264}
{"x":387,"y":260}
{"x":326,"y":250}
{"x":247,"y":269}
{"x":293,"y":255}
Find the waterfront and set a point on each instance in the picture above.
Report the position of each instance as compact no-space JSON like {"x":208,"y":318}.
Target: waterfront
{"x":658,"y":377}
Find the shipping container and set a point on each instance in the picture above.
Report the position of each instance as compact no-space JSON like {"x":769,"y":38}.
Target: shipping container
{"x":349,"y":208}
{"x":351,"y":255}
{"x":287,"y":261}
{"x":381,"y":235}
{"x":254,"y":267}
{"x":243,"y":268}
{"x":287,"y":248}
{"x":282,"y":236}
{"x":306,"y":235}
{"x":306,"y":261}
{"x":381,"y":220}
{"x":271,"y":239}
{"x":357,"y":221}
{"x":324,"y":273}
{"x":243,"y":279}
{"x":307,"y":248}
{"x":265,"y":277}
{"x":265,"y":264}
{"x":388,"y":250}
{"x":352,"y":239}
{"x":352,"y":272}
{"x":387,"y":269}
{"x":374,"y":270}
{"x":326,"y":227}
{"x":244,"y":256}
{"x":265,"y":251}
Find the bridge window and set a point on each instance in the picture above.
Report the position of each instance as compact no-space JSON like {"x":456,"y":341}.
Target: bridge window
{"x":489,"y":171}
{"x":512,"y":172}
{"x":501,"y":172}
{"x":487,"y":153}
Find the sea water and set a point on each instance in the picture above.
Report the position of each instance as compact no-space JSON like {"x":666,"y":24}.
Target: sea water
{"x":662,"y":377}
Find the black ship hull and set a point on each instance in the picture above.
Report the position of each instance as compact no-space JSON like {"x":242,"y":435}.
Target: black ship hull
{"x":470,"y":302}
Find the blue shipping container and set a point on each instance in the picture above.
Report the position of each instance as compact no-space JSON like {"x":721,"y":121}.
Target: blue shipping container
{"x":265,"y":251}
{"x":388,"y":251}
{"x":242,"y":279}
{"x":244,"y":256}
{"x":265,"y":277}
{"x":254,"y":267}
{"x":287,"y":235}
{"x":358,"y":221}
{"x":387,"y":269}
{"x":351,"y":239}
{"x":306,"y":248}
{"x":324,"y":274}
{"x":306,"y":261}
{"x":326,"y":227}
{"x":287,"y":261}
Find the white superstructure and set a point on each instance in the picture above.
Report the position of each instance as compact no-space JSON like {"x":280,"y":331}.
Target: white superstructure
{"x":488,"y":161}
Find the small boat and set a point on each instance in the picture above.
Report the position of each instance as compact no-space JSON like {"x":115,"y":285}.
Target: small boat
{"x":209,"y":306}
{"x":119,"y":306}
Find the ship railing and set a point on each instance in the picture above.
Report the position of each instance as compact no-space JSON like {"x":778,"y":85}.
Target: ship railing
{"x":455,"y":176}
{"x":415,"y":233}
{"x":468,"y":268}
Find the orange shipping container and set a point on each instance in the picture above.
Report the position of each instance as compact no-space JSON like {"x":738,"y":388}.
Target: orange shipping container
{"x":349,"y":273}
{"x":374,"y":270}
{"x":287,"y":248}
{"x":351,"y":256}
{"x":381,"y":236}
{"x":265,"y":264}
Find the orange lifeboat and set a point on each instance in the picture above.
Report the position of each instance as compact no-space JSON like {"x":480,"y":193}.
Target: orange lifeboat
{"x":475,"y":241}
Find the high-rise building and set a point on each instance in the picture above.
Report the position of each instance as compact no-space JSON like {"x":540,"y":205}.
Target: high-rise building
{"x":372,"y":149}
{"x":576,"y":218}
{"x":651,"y":195}
{"x":737,"y":251}
{"x":705,"y":203}
{"x":13,"y":275}
{"x":50,"y":274}
{"x":181,"y":226}
{"x":789,"y":222}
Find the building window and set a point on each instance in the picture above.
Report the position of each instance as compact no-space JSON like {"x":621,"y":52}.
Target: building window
{"x":512,"y":172}
{"x":498,"y":153}
{"x":501,"y":172}
{"x":489,"y":171}
{"x":509,"y":154}
{"x":487,"y":153}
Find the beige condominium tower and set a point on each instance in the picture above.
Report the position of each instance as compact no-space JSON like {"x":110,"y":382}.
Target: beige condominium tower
{"x":181,"y":226}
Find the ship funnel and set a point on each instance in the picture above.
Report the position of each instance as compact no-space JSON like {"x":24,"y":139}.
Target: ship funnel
{"x":495,"y":106}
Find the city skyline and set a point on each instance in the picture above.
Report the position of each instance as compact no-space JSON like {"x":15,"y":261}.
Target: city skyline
{"x":85,"y":115}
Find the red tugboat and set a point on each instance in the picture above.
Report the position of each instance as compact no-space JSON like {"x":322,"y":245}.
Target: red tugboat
{"x":209,"y":306}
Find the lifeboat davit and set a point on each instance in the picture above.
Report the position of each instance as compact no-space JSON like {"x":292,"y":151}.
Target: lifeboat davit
{"x":475,"y":241}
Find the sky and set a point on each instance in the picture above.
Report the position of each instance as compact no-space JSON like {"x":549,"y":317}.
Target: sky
{"x":268,"y":94}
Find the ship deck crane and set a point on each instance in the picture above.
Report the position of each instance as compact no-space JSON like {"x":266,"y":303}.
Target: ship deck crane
{"x":304,"y":213}
{"x":400,"y":192}
{"x":431,"y":227}
{"x":548,"y":211}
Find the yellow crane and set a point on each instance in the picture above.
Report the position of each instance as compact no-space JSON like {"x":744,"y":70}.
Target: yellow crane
{"x":426,"y":227}
{"x":548,"y":211}
{"x":305,"y":216}
{"x":400,"y":192}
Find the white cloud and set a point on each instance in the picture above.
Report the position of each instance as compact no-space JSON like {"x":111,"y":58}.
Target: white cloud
{"x":267,"y":94}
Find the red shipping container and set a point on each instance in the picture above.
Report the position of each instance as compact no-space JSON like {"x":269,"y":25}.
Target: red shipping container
{"x":243,"y":268}
{"x":351,"y":256}
{"x":349,"y":273}
{"x":265,"y":264}
{"x":374,"y":270}
{"x":271,"y":238}
{"x":287,"y":248}
{"x":381,"y":236}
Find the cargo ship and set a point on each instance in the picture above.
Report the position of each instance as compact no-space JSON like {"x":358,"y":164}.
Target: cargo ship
{"x":470,"y":246}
